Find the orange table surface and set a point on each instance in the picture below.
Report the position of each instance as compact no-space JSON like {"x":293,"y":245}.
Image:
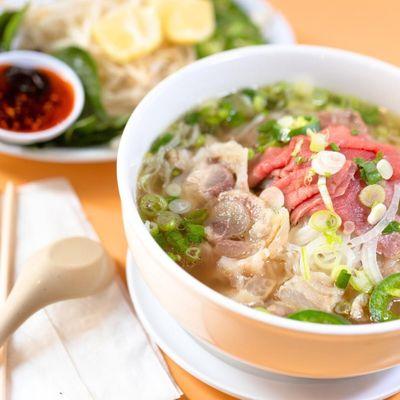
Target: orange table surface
{"x":365,"y":26}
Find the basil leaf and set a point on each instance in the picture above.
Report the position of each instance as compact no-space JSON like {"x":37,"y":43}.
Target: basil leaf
{"x":92,"y":131}
{"x":85,"y":67}
{"x":392,"y":227}
{"x":10,"y":23}
{"x":4,"y":19}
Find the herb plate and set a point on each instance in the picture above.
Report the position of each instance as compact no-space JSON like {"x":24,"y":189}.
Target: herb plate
{"x":275,"y":28}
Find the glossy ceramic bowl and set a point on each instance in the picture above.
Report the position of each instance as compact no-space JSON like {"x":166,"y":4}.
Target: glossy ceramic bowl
{"x":231,"y":329}
{"x":35,"y":59}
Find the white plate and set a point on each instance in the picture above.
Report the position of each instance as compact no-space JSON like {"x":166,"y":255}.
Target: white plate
{"x":275,"y":28}
{"x":192,"y":357}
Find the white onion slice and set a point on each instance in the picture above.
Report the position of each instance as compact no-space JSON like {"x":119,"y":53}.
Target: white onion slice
{"x":369,"y":261}
{"x":180,"y":206}
{"x":323,"y":190}
{"x":328,"y":162}
{"x":381,"y":225}
{"x":173,"y":189}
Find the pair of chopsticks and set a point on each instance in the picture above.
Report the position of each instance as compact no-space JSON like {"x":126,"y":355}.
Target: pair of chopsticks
{"x":7,"y":247}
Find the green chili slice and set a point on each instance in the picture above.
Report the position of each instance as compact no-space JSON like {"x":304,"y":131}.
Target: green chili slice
{"x":318,"y":317}
{"x":382,"y":297}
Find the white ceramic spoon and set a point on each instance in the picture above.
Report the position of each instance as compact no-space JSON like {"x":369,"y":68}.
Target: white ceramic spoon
{"x":70,"y":268}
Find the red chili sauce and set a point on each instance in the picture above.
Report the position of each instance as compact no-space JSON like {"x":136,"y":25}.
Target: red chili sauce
{"x":32,"y":100}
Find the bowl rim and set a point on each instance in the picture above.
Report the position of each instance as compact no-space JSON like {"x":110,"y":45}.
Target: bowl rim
{"x":37,"y":59}
{"x":128,"y":203}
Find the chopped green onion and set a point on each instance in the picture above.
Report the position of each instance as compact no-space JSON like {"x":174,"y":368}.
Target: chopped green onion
{"x":259,"y":103}
{"x":343,"y":279}
{"x":303,"y":123}
{"x":326,"y":257}
{"x":176,"y":257}
{"x":152,"y":227}
{"x":360,"y":282}
{"x":197,"y":216}
{"x":193,"y":253}
{"x":152,"y":204}
{"x":195,"y":233}
{"x":297,"y":148}
{"x":368,"y":171}
{"x":177,"y":241}
{"x":392,"y":227}
{"x":176,"y":172}
{"x":200,"y":141}
{"x":372,"y":195}
{"x":334,"y":147}
{"x":324,"y":221}
{"x":250,"y":153}
{"x":318,"y":141}
{"x":355,"y":132}
{"x":300,"y":160}
{"x":168,"y":221}
{"x":332,"y":237}
{"x":336,"y":271}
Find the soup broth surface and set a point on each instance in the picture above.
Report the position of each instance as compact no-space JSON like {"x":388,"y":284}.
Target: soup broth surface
{"x":283,"y":198}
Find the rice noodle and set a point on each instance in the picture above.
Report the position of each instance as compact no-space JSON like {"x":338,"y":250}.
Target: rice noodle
{"x":52,"y":25}
{"x":381,"y":225}
{"x":369,"y":261}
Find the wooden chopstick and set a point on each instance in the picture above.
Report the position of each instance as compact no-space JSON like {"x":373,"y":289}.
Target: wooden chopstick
{"x":7,"y":247}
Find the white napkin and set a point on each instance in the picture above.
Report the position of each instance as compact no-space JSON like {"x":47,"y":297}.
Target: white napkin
{"x":91,"y":348}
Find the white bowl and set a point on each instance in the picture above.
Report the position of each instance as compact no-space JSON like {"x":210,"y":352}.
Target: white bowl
{"x":34,"y":59}
{"x":262,"y":340}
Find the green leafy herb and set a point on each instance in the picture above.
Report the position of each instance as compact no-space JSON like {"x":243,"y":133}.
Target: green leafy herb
{"x":192,"y":118}
{"x":355,"y":132}
{"x":10,"y":22}
{"x":271,"y":133}
{"x":85,"y":66}
{"x":90,"y":131}
{"x":392,"y":227}
{"x":234,"y":28}
{"x":334,"y":147}
{"x":368,"y":171}
{"x":94,"y":127}
{"x":161,"y":141}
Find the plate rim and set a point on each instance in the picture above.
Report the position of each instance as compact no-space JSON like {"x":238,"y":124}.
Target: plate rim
{"x":130,"y":265}
{"x":107,"y":153}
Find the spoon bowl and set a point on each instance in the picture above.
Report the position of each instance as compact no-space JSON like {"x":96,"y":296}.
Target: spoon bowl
{"x":67,"y":269}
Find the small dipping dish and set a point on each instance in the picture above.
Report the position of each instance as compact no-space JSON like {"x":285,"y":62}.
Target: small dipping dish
{"x":40,"y":97}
